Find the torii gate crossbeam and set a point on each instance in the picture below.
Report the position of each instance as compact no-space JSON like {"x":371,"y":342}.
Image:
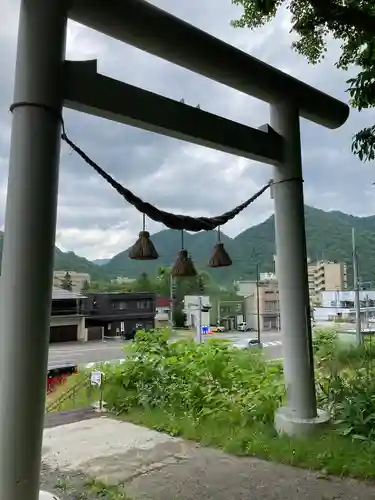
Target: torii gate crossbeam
{"x":44,"y":82}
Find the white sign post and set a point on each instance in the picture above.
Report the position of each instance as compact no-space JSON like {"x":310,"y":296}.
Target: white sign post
{"x":97,"y":379}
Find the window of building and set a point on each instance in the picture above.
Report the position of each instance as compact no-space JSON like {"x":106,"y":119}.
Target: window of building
{"x":119,"y":305}
{"x":143,"y":304}
{"x":270,"y":305}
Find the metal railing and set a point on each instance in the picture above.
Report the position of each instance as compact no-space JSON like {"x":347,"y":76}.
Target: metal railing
{"x":70,"y":394}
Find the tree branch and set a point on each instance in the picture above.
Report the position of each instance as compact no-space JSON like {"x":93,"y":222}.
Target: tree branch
{"x":346,"y":16}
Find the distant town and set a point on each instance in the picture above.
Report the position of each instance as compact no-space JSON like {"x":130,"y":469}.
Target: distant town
{"x":83,"y":311}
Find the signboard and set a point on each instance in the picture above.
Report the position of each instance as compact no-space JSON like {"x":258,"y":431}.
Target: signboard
{"x":96,"y":378}
{"x":205,"y":330}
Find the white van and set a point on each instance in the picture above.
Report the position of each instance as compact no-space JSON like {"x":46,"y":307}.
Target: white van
{"x":243,"y":327}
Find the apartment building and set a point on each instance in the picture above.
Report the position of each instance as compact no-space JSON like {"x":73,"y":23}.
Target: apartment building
{"x":326,"y":276}
{"x":78,"y":279}
{"x":269,"y":308}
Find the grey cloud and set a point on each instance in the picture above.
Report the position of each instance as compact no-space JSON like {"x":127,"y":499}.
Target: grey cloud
{"x":172,"y":174}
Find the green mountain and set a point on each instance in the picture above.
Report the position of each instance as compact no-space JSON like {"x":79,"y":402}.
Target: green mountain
{"x":69,"y":261}
{"x":328,"y":237}
{"x":167,"y":243}
{"x":100,"y":262}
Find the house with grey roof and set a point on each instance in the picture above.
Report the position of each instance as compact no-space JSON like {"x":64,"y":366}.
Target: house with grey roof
{"x":67,"y":322}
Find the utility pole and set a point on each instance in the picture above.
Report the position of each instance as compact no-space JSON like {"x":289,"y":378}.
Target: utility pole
{"x":356,"y":291}
{"x":218,"y":312}
{"x":200,"y":319}
{"x":258,"y":308}
{"x":171,"y":300}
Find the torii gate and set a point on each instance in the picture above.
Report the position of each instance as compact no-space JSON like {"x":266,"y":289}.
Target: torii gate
{"x":45,"y":82}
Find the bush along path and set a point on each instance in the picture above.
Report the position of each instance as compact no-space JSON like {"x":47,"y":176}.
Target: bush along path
{"x":226,"y":398}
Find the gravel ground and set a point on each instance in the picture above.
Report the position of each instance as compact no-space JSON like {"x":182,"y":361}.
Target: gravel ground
{"x":65,"y":486}
{"x":77,"y":486}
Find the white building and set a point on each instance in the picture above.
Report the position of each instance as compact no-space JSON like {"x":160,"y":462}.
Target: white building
{"x":123,"y":280}
{"x":267,"y":277}
{"x":341,"y":304}
{"x":345,"y":298}
{"x":192,"y":310}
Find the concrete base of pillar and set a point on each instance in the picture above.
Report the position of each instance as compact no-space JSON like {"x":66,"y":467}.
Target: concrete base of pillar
{"x":44,"y":495}
{"x":287,"y":423}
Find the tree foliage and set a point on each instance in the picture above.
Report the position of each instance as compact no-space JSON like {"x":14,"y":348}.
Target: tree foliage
{"x":66,"y":282}
{"x":350,"y":21}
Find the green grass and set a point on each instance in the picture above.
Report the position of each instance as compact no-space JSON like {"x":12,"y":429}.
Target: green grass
{"x":91,"y":490}
{"x":97,"y":489}
{"x":329,"y":453}
{"x":230,"y":397}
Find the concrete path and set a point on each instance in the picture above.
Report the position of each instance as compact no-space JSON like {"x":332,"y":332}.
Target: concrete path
{"x":155,"y":466}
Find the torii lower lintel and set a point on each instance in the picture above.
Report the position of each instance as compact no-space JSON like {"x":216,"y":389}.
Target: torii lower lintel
{"x":90,"y":92}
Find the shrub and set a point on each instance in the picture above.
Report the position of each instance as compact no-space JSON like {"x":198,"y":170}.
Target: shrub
{"x":325,"y":342}
{"x":346,"y":386}
{"x":196,"y":380}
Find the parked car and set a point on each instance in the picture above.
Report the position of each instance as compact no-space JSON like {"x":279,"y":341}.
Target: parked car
{"x":248,"y":344}
{"x":58,"y":373}
{"x":218,"y":329}
{"x":243,"y":327}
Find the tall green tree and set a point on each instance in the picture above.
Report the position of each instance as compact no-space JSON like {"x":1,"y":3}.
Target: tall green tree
{"x":350,"y":21}
{"x":66,"y":282}
{"x":144,"y":284}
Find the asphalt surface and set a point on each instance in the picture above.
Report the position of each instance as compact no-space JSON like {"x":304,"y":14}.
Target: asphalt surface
{"x":93,"y":352}
{"x":154,"y":466}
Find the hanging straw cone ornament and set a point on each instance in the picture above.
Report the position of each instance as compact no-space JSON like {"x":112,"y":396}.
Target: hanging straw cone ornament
{"x":220,"y":257}
{"x":183,"y":267}
{"x":143,"y":248}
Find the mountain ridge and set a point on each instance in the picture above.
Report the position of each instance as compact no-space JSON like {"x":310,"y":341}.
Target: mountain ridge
{"x":328,"y":237}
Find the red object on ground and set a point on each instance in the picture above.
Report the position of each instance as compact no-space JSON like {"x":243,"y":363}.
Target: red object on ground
{"x":57,"y":375}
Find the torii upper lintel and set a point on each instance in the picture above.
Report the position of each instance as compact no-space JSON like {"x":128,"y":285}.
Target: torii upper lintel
{"x":147,"y":27}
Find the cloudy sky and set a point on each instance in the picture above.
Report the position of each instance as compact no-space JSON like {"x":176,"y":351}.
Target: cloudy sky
{"x":95,"y":222}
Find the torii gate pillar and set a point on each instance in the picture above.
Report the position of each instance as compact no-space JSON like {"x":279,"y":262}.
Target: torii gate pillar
{"x":301,"y":415}
{"x":28,"y":253}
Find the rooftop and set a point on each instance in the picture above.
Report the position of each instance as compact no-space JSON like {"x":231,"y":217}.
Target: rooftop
{"x":61,"y":294}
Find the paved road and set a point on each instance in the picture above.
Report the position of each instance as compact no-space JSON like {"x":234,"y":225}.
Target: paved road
{"x":271,"y":341}
{"x":114,"y":349}
{"x":85,"y":353}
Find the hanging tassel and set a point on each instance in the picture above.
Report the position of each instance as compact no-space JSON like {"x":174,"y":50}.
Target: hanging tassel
{"x":220,"y":257}
{"x":143,"y":248}
{"x":183,"y":267}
